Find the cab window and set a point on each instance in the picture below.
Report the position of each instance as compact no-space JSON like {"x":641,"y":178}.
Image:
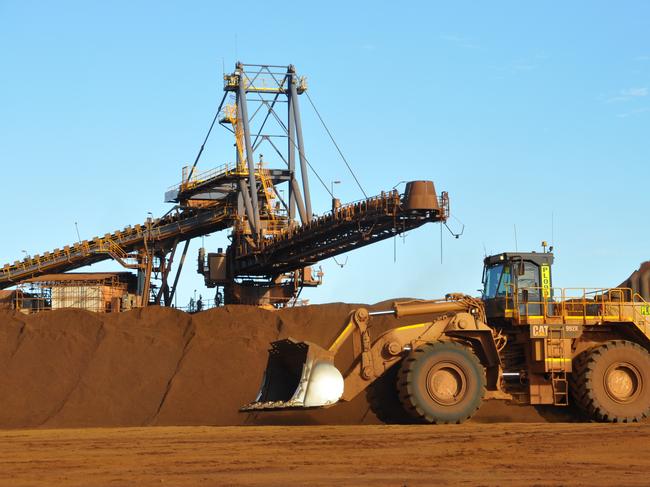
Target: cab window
{"x":530,"y":277}
{"x":497,"y":280}
{"x":504,"y":282}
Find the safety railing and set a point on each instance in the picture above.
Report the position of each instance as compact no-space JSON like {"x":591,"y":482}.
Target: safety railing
{"x":385,"y":203}
{"x":224,"y":170}
{"x":109,"y":246}
{"x":198,"y":178}
{"x":576,"y":305}
{"x":230,"y":112}
{"x":263,"y":80}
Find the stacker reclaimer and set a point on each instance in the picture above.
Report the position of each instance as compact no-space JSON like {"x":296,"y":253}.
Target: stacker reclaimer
{"x":275,"y":239}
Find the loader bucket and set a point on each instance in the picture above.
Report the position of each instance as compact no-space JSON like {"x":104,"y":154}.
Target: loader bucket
{"x":298,"y":375}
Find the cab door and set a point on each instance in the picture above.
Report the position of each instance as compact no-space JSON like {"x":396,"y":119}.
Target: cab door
{"x":497,"y":291}
{"x":529,"y":290}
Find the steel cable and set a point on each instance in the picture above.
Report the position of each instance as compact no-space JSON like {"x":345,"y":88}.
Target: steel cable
{"x":336,"y":145}
{"x":214,"y":120}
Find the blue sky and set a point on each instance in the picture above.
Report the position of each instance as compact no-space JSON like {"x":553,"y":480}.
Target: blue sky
{"x":526,"y":113}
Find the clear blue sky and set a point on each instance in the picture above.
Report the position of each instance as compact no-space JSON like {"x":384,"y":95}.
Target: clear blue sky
{"x":520,"y":111}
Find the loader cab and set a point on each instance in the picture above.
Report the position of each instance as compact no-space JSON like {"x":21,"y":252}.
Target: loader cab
{"x":516,"y":279}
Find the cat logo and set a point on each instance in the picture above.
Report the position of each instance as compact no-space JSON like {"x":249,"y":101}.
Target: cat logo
{"x":538,"y":331}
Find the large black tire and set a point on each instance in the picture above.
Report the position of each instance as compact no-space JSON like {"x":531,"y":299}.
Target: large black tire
{"x":383,"y":397}
{"x":441,"y":383}
{"x":611,"y":382}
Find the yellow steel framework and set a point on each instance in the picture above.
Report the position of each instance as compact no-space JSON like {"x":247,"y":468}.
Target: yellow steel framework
{"x":231,"y":115}
{"x":268,"y":189}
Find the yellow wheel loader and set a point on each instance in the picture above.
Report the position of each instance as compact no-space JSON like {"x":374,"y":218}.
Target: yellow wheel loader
{"x":523,"y":341}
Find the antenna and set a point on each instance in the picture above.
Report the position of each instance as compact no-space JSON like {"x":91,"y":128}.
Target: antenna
{"x":516,"y":246}
{"x":552,"y":229}
{"x":77,"y":229}
{"x":484,"y":250}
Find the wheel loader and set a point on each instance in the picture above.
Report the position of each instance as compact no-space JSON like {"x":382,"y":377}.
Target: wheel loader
{"x":523,"y":341}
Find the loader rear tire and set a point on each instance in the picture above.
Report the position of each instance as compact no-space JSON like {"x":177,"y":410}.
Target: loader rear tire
{"x":442,"y":383}
{"x":383,"y":399}
{"x":611,"y":383}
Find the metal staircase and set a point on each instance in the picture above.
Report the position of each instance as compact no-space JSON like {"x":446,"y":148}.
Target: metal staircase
{"x":556,"y":364}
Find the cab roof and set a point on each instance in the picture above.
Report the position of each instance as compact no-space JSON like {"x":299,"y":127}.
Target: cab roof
{"x":538,"y":258}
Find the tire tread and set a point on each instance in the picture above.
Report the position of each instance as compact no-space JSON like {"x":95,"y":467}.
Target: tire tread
{"x":580,"y":383}
{"x":406,"y":386}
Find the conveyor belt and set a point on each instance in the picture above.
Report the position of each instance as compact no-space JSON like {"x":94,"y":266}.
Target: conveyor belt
{"x":346,"y":228}
{"x":351,"y":226}
{"x":161,"y":233}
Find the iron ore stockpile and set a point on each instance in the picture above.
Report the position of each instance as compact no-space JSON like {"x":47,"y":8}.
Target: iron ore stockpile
{"x":160,"y":366}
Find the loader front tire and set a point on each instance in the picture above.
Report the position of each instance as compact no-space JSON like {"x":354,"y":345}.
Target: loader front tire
{"x":383,"y":399}
{"x":611,"y":383}
{"x":442,"y":383}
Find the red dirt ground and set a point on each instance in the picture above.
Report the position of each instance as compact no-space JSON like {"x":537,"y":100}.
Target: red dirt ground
{"x":396,"y":456}
{"x":167,"y":370}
